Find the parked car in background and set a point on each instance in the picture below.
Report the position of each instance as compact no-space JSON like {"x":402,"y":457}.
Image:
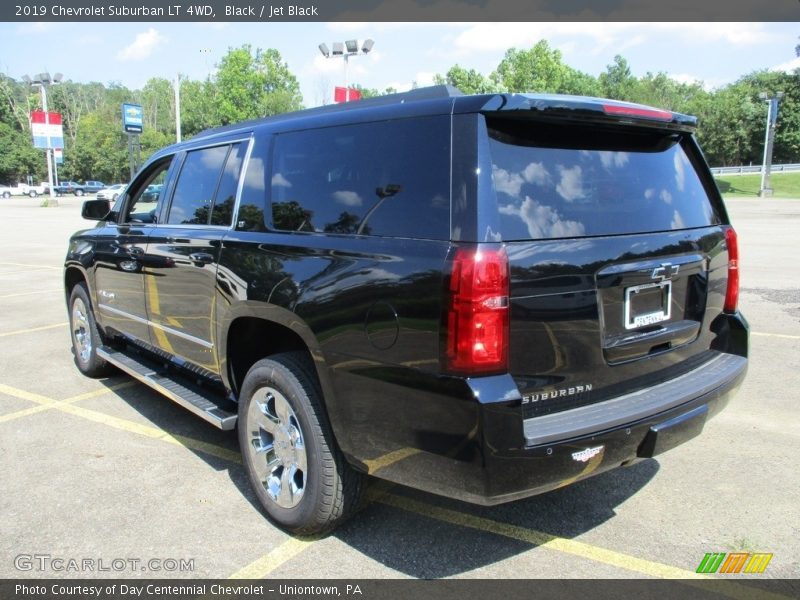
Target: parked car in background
{"x":112,"y":192}
{"x":92,"y":187}
{"x":69,"y":187}
{"x":23,"y":189}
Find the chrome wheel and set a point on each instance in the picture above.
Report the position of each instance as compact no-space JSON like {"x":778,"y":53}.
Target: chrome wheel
{"x":81,"y":336}
{"x":276,"y":448}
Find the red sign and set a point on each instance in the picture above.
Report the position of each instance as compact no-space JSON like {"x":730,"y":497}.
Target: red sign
{"x":339,"y":94}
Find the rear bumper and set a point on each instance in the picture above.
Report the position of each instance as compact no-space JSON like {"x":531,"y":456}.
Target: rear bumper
{"x":565,"y":447}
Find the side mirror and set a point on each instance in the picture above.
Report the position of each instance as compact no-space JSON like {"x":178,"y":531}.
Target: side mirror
{"x":95,"y":210}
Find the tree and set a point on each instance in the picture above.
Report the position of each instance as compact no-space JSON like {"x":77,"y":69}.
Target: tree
{"x":469,"y":81}
{"x":18,"y":157}
{"x":539,"y":69}
{"x":617,"y":82}
{"x":254,"y":84}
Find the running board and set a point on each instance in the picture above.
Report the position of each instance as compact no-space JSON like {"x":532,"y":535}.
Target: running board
{"x":200,"y":405}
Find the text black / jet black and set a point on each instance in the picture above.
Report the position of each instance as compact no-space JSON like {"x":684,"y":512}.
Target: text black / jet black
{"x":483,"y":297}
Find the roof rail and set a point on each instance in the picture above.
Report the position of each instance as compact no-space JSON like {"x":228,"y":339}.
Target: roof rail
{"x":433,"y":92}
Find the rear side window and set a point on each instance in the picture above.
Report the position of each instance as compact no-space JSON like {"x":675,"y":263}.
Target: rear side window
{"x":570,"y":181}
{"x":387,"y":178}
{"x":206,"y":187}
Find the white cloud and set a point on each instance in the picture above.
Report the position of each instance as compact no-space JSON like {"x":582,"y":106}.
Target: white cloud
{"x":543,"y":221}
{"x":677,"y":221}
{"x":665,"y":196}
{"x":278,"y":180}
{"x":35,"y":28}
{"x":613,"y":159}
{"x":348,"y":198}
{"x":536,"y":173}
{"x":507,"y":183}
{"x":143,"y":46}
{"x":787,"y":67}
{"x":571,"y":185}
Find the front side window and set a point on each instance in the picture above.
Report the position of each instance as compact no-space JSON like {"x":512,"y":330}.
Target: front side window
{"x":142,"y":204}
{"x":389,"y":178}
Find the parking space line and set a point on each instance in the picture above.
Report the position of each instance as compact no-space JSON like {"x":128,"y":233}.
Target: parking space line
{"x":43,"y":407}
{"x":381,"y":494}
{"x":33,"y":329}
{"x":16,"y":264}
{"x":580,"y":549}
{"x":777,"y":335}
{"x":389,"y":459}
{"x":261,"y":567}
{"x":30,"y":293}
{"x":126,"y":425}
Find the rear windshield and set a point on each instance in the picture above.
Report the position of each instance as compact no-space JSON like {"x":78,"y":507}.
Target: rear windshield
{"x":569,"y":181}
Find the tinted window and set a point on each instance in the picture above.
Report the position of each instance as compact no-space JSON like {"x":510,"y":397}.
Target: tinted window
{"x":197,"y":182}
{"x":251,"y":215}
{"x":145,"y":194}
{"x":226,"y":193}
{"x":386,"y":179}
{"x":579,"y":181}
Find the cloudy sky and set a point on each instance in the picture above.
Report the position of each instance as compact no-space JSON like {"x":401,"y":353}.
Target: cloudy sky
{"x":131,"y":53}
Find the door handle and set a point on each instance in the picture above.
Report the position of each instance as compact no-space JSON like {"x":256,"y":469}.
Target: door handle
{"x":202,"y":258}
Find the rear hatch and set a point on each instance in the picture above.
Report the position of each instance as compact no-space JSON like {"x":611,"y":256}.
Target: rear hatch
{"x":615,"y":236}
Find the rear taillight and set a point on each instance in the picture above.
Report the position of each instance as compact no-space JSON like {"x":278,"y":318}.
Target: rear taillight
{"x":732,"y":291}
{"x":477,"y":311}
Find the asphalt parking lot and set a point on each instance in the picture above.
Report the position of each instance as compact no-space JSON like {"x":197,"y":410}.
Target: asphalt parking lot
{"x":108,"y":470}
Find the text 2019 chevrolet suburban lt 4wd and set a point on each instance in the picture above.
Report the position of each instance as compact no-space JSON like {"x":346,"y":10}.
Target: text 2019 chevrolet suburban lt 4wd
{"x":484,"y":297}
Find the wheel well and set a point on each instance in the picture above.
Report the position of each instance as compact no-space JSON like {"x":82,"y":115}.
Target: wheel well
{"x":250,"y":339}
{"x":72,"y":278}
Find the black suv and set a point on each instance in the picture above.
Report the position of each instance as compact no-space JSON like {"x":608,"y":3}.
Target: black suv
{"x":484,"y":297}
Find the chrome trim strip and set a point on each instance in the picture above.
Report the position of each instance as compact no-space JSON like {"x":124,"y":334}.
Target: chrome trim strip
{"x":180,"y":334}
{"x":240,"y":184}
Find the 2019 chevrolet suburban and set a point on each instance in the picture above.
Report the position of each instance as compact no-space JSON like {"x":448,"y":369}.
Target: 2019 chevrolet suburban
{"x":484,"y":297}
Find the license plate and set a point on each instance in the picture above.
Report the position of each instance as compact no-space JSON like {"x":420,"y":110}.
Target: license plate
{"x":647,"y":304}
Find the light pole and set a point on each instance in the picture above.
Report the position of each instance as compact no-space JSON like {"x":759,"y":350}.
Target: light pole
{"x":42,"y":80}
{"x":772,"y":117}
{"x":346,"y":50}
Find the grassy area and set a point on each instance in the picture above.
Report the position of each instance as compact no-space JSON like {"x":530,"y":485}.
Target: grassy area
{"x":786,"y":185}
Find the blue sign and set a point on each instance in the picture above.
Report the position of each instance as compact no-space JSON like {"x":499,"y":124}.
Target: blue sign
{"x":132,"y":118}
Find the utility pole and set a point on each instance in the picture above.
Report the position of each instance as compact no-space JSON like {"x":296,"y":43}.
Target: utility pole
{"x":178,"y":108}
{"x":769,"y":142}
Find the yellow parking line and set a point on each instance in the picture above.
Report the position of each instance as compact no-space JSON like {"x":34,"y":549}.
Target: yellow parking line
{"x":777,"y":335}
{"x":126,"y":425}
{"x":263,"y":566}
{"x":380,"y":493}
{"x":32,"y":329}
{"x":388,"y":459}
{"x":29,"y":293}
{"x":566,"y":546}
{"x":44,"y":405}
{"x":15,"y":264}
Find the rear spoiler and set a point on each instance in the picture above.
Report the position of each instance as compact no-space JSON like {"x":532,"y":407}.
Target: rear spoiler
{"x":584,"y":108}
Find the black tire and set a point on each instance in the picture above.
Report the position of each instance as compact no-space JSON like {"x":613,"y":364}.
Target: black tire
{"x":326,"y":490}
{"x":6,"y":195}
{"x":86,"y":337}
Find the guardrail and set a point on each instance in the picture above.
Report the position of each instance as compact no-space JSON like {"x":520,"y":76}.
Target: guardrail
{"x":743,"y":170}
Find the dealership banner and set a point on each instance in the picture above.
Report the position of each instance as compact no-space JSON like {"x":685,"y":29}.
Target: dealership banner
{"x":47,"y":129}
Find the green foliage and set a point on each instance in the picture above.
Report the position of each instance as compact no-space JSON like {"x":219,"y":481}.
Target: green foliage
{"x":254,"y":84}
{"x":468,"y":81}
{"x":541,"y":70}
{"x":18,"y":157}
